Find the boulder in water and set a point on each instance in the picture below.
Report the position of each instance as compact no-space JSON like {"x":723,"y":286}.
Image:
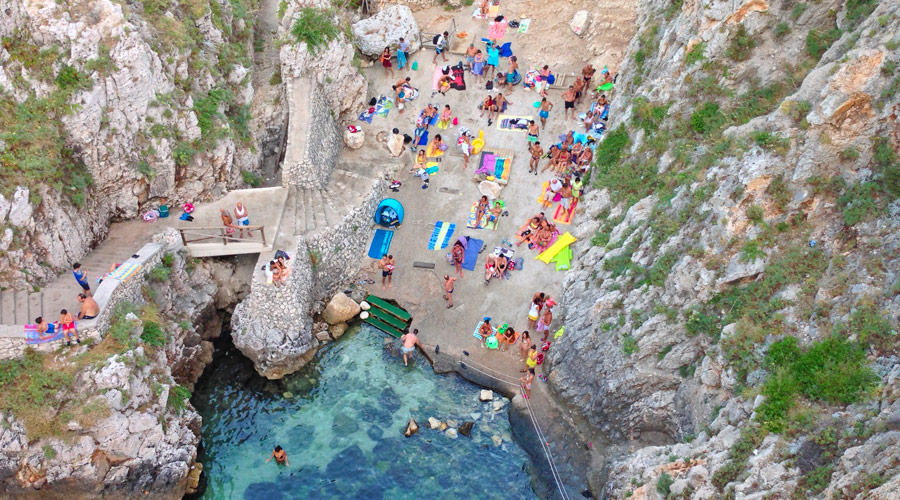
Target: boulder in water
{"x":340,"y":309}
{"x":434,"y":423}
{"x":497,"y":440}
{"x":466,"y":428}
{"x":411,"y":428}
{"x":337,"y":330}
{"x":451,"y":433}
{"x":486,"y":395}
{"x":443,"y":426}
{"x":364,"y":306}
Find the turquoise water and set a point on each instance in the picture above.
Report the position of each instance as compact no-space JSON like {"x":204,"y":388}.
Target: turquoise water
{"x":341,"y":421}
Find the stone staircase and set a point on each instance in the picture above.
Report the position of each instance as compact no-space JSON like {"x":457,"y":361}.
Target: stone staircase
{"x":20,"y":307}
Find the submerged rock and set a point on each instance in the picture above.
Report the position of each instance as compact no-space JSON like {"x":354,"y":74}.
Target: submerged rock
{"x":486,"y":395}
{"x":434,"y":423}
{"x":466,"y":428}
{"x":411,"y":428}
{"x":345,"y":424}
{"x":497,"y":440}
{"x":451,"y":433}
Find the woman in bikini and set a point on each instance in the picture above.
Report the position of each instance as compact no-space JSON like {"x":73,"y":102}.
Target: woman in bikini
{"x":543,"y":237}
{"x":527,"y":232}
{"x":524,"y":343}
{"x":562,"y":159}
{"x":227,"y":221}
{"x":283,"y":270}
{"x":534,"y":313}
{"x":527,"y":381}
{"x":386,"y":62}
{"x":502,"y":263}
{"x":483,"y":206}
{"x":437,"y":147}
{"x":507,"y":339}
{"x":446,"y":116}
{"x":457,"y":253}
{"x":490,"y":263}
{"x":530,"y":358}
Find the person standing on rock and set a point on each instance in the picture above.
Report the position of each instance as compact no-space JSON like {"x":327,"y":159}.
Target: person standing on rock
{"x":409,"y":342}
{"x":386,"y":62}
{"x":81,"y":278}
{"x":402,"y":53}
{"x":448,"y":289}
{"x":242,"y":218}
{"x":440,"y":43}
{"x":387,"y":270}
{"x":280,"y":456}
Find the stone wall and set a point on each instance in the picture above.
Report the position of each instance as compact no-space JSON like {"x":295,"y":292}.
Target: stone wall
{"x":314,"y":139}
{"x":338,"y":250}
{"x":413,"y":5}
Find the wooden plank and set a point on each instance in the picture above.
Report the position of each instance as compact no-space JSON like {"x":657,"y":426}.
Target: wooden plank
{"x":388,"y":318}
{"x":383,"y":327}
{"x":390,"y":308}
{"x":424,"y":265}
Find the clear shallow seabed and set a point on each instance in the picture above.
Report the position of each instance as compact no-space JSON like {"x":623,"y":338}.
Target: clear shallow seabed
{"x":341,"y":420}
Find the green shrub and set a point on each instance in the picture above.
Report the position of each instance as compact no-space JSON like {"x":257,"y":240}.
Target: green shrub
{"x":858,"y":202}
{"x":660,"y":269}
{"x":782,"y":29}
{"x":799,"y":9}
{"x":159,"y":274}
{"x":207,"y":109}
{"x":751,"y":252}
{"x":664,"y":484}
{"x":698,"y":322}
{"x":601,"y":239}
{"x":251,"y":178}
{"x":156,"y":7}
{"x":751,"y":437}
{"x":645,"y":46}
{"x":758,"y":101}
{"x":282,"y":8}
{"x":49,"y":452}
{"x":741,"y":45}
{"x":779,"y":192}
{"x":647,"y":116}
{"x":153,"y":334}
{"x":871,"y":326}
{"x":849,"y":154}
{"x":315,"y":28}
{"x":71,"y":79}
{"x":859,"y":10}
{"x":629,"y":345}
{"x":666,"y":350}
{"x":183,"y":153}
{"x":178,"y":397}
{"x":695,"y":54}
{"x":610,"y":150}
{"x":888,"y":67}
{"x":771,"y":142}
{"x":817,"y":42}
{"x":755,"y":213}
{"x":146,"y":170}
{"x":276,"y":78}
{"x":707,"y":119}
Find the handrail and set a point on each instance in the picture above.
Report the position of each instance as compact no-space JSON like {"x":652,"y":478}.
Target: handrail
{"x":425,"y":37}
{"x":216,"y":232}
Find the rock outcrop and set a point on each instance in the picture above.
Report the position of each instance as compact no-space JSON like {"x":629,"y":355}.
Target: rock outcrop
{"x":340,"y":309}
{"x":384,"y":29}
{"x":139,"y":121}
{"x":764,"y":139}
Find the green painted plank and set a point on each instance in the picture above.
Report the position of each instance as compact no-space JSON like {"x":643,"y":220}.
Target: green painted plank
{"x":383,"y":327}
{"x":394,"y":310}
{"x":388,"y":318}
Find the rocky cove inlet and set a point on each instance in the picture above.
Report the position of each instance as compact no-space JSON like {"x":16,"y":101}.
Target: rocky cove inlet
{"x":341,"y":420}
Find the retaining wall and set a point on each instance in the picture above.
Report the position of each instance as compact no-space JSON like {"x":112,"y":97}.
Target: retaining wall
{"x":315,"y":141}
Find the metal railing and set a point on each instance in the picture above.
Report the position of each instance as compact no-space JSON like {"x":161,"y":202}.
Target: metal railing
{"x":426,"y":37}
{"x":226,"y":234}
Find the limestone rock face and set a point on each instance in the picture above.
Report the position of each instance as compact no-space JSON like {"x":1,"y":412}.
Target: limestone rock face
{"x":340,"y":309}
{"x":373,"y":34}
{"x":580,"y":22}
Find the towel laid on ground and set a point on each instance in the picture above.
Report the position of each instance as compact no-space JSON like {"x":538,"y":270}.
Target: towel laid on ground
{"x":471,"y":223}
{"x":561,"y":216}
{"x":441,"y":235}
{"x":471,"y":255}
{"x":125,"y":271}
{"x":513,"y":123}
{"x":33,"y":337}
{"x":381,"y":242}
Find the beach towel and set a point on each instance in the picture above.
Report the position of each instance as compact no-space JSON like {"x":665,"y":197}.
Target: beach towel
{"x":381,"y":242}
{"x":471,"y":223}
{"x":423,"y":139}
{"x":365,"y":116}
{"x":125,"y":271}
{"x":506,"y":49}
{"x":561,"y":216}
{"x":432,"y":168}
{"x":384,"y":105}
{"x":440,"y":236}
{"x":488,"y":162}
{"x":33,"y":337}
{"x":401,"y":59}
{"x":497,"y":29}
{"x":471,"y":255}
{"x":457,"y":72}
{"x":513,"y":123}
{"x":544,"y":187}
{"x":564,"y":241}
{"x":523,"y":25}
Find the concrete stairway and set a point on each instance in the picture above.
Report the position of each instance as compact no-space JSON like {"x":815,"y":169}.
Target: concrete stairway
{"x":316,"y":210}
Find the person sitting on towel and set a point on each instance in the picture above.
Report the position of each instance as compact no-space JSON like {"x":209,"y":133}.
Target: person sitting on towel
{"x":495,"y":212}
{"x":444,"y":84}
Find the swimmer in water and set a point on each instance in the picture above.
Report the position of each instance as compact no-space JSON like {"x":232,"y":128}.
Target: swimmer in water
{"x":280,"y":456}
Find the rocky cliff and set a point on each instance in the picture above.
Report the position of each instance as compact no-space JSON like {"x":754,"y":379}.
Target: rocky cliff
{"x":109,"y":108}
{"x":114,"y":421}
{"x":738,"y":274}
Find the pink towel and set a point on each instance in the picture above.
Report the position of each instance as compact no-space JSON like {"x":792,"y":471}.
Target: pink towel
{"x":498,"y":30}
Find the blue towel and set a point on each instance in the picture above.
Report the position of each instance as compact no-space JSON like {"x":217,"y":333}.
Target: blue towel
{"x":471,"y":255}
{"x":380,"y":243}
{"x":438,"y":227}
{"x":423,"y":139}
{"x":366,"y":117}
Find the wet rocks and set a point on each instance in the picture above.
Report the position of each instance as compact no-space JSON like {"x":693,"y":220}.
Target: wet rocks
{"x":451,"y":433}
{"x":466,"y":428}
{"x":411,"y":428}
{"x":434,"y":423}
{"x":340,"y":309}
{"x":486,"y":395}
{"x":497,"y":440}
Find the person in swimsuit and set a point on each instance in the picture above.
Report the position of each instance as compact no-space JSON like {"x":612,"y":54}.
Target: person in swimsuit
{"x":528,"y":231}
{"x":448,"y":289}
{"x":579,"y":88}
{"x":530,"y":358}
{"x":408,"y":342}
{"x":569,"y":101}
{"x":437,"y":147}
{"x":494,"y":213}
{"x":387,"y":269}
{"x":532,"y":132}
{"x":242,"y":218}
{"x":587,"y":73}
{"x":543,"y":237}
{"x":489,"y":265}
{"x":478,"y":66}
{"x":501,"y":103}
{"x":480,"y":211}
{"x":386,"y":62}
{"x":534,"y":313}
{"x":589,"y":120}
{"x":443,"y":85}
{"x":466,"y":149}
{"x":283,"y":270}
{"x":458,"y":253}
{"x":446,"y":116}
{"x":545,"y":80}
{"x":585,"y":158}
{"x":536,"y":152}
{"x":67,"y":323}
{"x":524,"y":343}
{"x":227,"y":221}
{"x":507,"y":338}
{"x":485,"y":330}
{"x":526,"y":382}
{"x":45,"y":327}
{"x":513,"y":73}
{"x":543,"y":325}
{"x":470,"y":57}
{"x":81,"y":278}
{"x":544,"y":112}
{"x":501,"y":263}
{"x":280,"y":456}
{"x":89,"y":307}
{"x":566,"y":195}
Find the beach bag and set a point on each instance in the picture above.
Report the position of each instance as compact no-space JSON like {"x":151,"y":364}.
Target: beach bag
{"x":435,"y":39}
{"x":551,"y":79}
{"x":455,"y":121}
{"x":540,"y":358}
{"x":489,"y":85}
{"x":545,"y":346}
{"x":372,"y":102}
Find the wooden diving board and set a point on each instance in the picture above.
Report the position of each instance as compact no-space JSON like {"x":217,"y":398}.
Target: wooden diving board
{"x":389,"y":308}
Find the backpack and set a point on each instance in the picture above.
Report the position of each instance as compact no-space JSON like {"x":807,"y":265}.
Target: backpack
{"x":540,"y":358}
{"x":489,"y":85}
{"x":435,"y":39}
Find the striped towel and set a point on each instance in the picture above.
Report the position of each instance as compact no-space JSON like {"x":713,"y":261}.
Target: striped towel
{"x":33,"y":337}
{"x":441,"y":235}
{"x":125,"y":271}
